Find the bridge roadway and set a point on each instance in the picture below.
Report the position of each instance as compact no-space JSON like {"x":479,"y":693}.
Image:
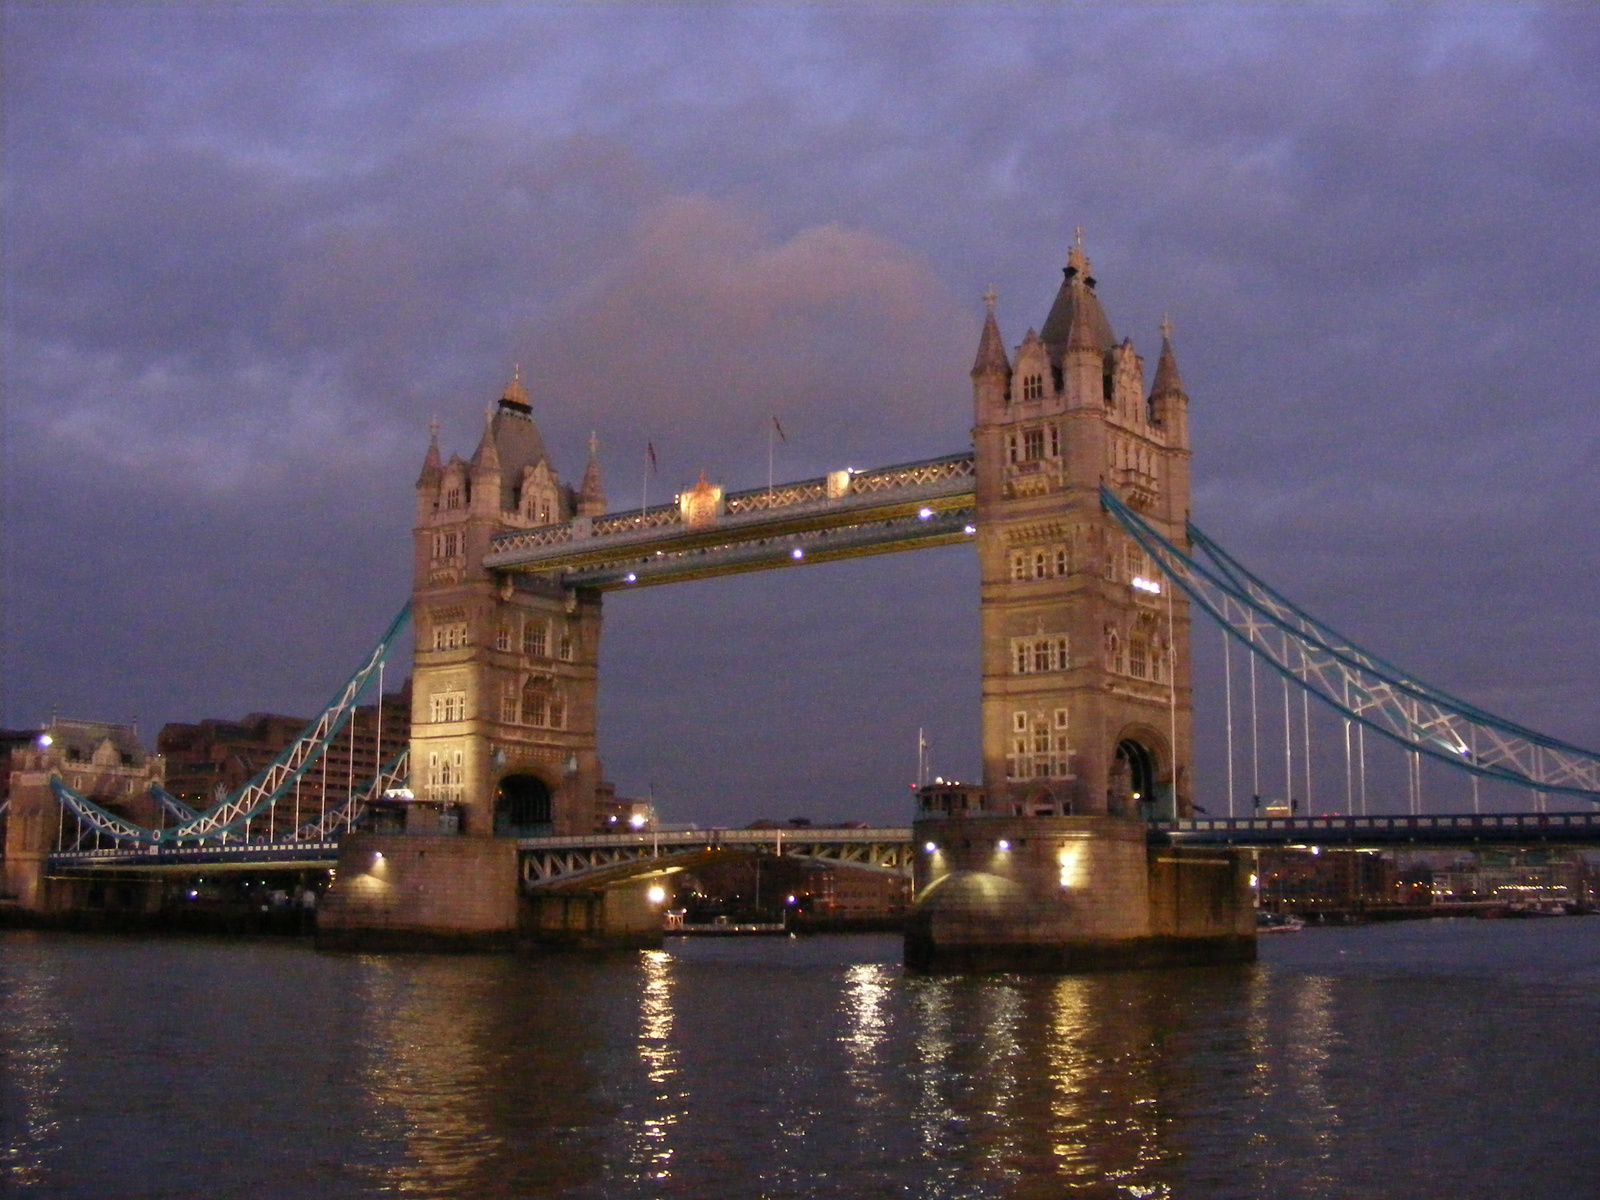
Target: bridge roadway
{"x":593,"y":860}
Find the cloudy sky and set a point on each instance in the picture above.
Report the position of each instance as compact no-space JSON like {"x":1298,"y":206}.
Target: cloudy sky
{"x":249,"y":252}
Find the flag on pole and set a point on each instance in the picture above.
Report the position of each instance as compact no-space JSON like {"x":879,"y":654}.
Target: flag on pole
{"x":650,"y":454}
{"x":778,"y":425}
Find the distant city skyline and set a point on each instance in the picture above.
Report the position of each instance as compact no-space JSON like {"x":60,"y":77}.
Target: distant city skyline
{"x":250,"y":253}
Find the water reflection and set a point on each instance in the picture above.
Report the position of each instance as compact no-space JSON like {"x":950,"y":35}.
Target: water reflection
{"x":650,"y":1136}
{"x":475,"y":1072}
{"x":31,"y":1058}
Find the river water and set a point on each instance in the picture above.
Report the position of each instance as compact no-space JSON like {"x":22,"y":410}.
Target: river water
{"x":1428,"y":1059}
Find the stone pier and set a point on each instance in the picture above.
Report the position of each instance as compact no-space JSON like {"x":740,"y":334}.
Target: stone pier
{"x":1071,"y":894}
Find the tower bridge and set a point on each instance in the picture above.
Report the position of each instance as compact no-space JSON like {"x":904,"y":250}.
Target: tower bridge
{"x":1082,"y":846}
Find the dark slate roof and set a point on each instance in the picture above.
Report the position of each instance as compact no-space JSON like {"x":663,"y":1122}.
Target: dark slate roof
{"x":1076,"y":320}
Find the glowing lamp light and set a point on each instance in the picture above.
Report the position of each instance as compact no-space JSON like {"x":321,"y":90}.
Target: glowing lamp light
{"x":656,"y":894}
{"x":797,"y":553}
{"x":630,"y":577}
{"x":1254,"y":882}
{"x":1147,"y":585}
{"x":930,"y":847}
{"x":1002,"y":844}
{"x":637,"y":820}
{"x":969,"y":530}
{"x":46,"y":741}
{"x":924,"y":513}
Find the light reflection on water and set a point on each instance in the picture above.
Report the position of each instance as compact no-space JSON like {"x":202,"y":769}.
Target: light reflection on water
{"x":1360,"y":1063}
{"x":31,"y":1053}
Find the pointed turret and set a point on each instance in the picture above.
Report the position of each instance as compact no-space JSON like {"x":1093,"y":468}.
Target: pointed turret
{"x":487,"y":456}
{"x":1076,"y":320}
{"x":991,"y":359}
{"x":1169,"y":402}
{"x":991,"y":369}
{"x":1168,"y":381}
{"x":592,"y":495}
{"x":432,"y":462}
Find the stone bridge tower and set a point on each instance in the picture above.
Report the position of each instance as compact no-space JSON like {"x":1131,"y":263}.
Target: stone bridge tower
{"x":503,"y":718}
{"x":1087,"y":730}
{"x":1086,"y":696}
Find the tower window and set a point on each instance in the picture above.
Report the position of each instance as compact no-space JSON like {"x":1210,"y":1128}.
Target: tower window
{"x":1138,"y":657}
{"x":1036,"y":655}
{"x":452,"y":497}
{"x":1055,"y":442}
{"x":1041,"y":564}
{"x":1032,"y":445}
{"x":565,"y":648}
{"x":1019,"y":564}
{"x":450,"y":635}
{"x":448,"y":706}
{"x":502,"y":638}
{"x":535,"y":639}
{"x":1033,"y":387}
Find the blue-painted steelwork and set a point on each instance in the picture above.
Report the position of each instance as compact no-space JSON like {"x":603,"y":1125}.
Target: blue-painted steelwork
{"x":1356,"y":683}
{"x":232,"y":815}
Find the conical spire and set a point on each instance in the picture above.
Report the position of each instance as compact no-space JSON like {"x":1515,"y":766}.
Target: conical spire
{"x":432,"y":462}
{"x":487,"y":455}
{"x":592,"y":495}
{"x":1168,"y":381}
{"x":991,"y":359}
{"x":1076,"y":320}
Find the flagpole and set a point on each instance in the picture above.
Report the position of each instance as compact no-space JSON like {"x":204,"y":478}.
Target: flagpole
{"x":771,"y":428}
{"x":644,"y":486}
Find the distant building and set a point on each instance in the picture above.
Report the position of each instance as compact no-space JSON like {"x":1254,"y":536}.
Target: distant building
{"x":103,"y":761}
{"x":215,"y":757}
{"x":1311,"y":883}
{"x":853,"y":894}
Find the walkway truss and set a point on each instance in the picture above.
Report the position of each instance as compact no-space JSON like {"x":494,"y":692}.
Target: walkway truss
{"x":1356,"y":683}
{"x":231,"y":817}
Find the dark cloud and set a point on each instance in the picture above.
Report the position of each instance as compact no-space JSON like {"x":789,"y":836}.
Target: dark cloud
{"x":250,"y":250}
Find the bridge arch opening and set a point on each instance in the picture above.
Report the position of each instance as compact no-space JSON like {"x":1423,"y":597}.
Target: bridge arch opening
{"x":522,"y":807}
{"x":1135,"y":788}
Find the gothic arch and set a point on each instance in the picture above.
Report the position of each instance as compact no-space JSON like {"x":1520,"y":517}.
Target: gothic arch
{"x":1139,"y":782}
